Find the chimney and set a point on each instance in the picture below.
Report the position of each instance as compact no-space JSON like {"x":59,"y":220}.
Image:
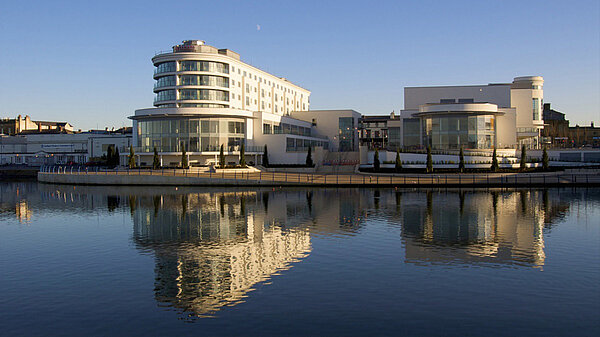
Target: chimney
{"x":546,"y":106}
{"x":592,"y":124}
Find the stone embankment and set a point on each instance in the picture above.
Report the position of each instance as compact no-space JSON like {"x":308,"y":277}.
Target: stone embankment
{"x":259,"y":178}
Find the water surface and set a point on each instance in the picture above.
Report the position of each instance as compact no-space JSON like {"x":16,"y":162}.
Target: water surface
{"x":151,"y":261}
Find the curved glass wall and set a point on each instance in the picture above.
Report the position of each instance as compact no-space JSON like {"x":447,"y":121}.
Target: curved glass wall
{"x":471,"y":132}
{"x":215,"y":81}
{"x":198,"y":134}
{"x":202,"y":105}
{"x":203,"y":95}
{"x":166,"y":81}
{"x":215,"y":67}
{"x":165,"y":67}
{"x":165,"y":95}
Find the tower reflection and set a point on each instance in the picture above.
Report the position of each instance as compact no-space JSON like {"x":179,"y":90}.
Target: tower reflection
{"x":212,"y":248}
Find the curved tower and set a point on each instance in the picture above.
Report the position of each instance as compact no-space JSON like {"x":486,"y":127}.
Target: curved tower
{"x":206,"y":98}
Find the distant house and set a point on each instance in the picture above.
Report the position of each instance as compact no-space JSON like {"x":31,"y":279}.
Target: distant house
{"x":20,"y":125}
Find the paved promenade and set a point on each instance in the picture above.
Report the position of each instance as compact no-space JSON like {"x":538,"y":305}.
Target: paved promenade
{"x":190,"y":177}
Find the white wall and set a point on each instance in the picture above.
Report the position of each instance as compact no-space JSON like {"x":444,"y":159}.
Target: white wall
{"x":327,"y":124}
{"x":506,"y":131}
{"x":497,"y":94}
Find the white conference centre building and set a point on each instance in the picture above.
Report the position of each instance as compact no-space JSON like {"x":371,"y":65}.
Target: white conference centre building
{"x":500,"y":115}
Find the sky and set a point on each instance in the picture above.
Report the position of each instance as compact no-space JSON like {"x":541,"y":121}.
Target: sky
{"x":89,"y":62}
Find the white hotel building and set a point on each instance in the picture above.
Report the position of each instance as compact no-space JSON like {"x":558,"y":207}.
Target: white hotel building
{"x":207,"y":97}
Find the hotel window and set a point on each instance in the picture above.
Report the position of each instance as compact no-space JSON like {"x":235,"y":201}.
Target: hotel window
{"x":236,"y":127}
{"x":262,"y":105}
{"x":247,"y":100}
{"x":247,"y":88}
{"x":165,"y":67}
{"x":232,"y":69}
{"x":536,"y":109}
{"x":267,"y":129}
{"x":244,"y":74}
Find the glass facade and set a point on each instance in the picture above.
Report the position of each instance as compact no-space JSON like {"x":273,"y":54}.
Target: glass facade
{"x":537,"y":109}
{"x":394,"y":137}
{"x":203,"y":105}
{"x":198,"y":134}
{"x":165,"y":95}
{"x":452,"y":132}
{"x":284,"y":128}
{"x":412,"y":132}
{"x":297,"y":144}
{"x":346,"y":134}
{"x":165,"y":67}
{"x":214,"y":67}
{"x":208,"y":80}
{"x":203,"y":95}
{"x":165,"y":81}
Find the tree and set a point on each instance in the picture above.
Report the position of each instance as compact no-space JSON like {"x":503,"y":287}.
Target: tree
{"x":131,"y":157}
{"x":116,"y":158}
{"x":376,"y":163}
{"x":265,"y":157}
{"x":429,"y":160}
{"x":222,"y":157}
{"x":461,"y":160}
{"x":398,"y":161}
{"x":110,"y":154}
{"x":156,"y":160}
{"x":495,"y":166}
{"x":309,"y":161}
{"x":523,"y":163}
{"x":545,"y":160}
{"x":242,"y":156}
{"x":184,"y":158}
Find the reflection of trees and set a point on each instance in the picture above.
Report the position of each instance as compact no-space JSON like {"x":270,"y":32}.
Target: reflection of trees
{"x":112,"y":202}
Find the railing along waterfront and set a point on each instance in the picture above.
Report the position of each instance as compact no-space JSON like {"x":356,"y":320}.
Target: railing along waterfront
{"x":233,"y":177}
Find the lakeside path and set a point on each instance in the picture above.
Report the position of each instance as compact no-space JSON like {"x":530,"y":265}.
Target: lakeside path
{"x":181,"y":177}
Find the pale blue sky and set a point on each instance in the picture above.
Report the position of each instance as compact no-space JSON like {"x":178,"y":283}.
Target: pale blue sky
{"x":89,"y":62}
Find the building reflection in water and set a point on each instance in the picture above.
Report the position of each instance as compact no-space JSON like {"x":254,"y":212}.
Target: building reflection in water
{"x":212,"y":246}
{"x":495,"y":227}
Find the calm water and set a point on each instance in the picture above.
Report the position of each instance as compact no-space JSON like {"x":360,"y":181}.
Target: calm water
{"x":180,"y":261}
